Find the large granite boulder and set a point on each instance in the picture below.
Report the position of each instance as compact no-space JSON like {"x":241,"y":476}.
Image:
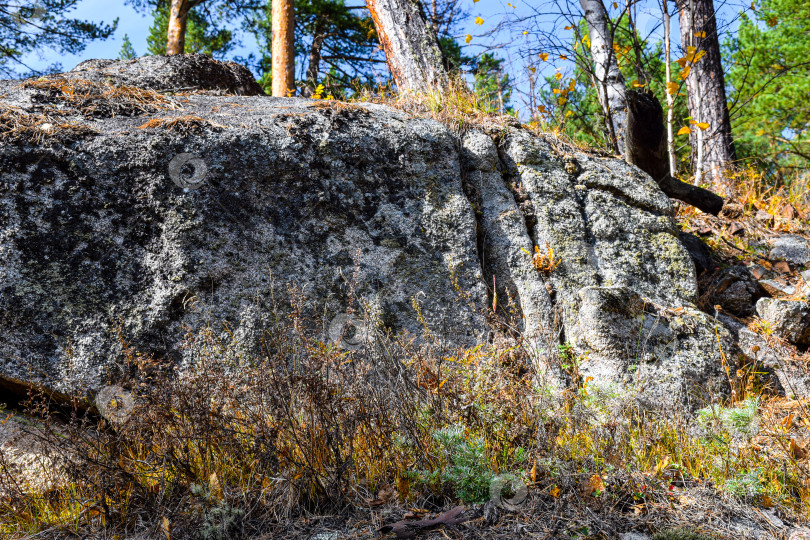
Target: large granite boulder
{"x":178,"y":73}
{"x":155,"y":215}
{"x":216,"y":211}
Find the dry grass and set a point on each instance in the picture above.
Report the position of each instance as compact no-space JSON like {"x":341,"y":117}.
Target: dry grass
{"x":18,"y":125}
{"x":457,"y":106}
{"x":239,"y":446}
{"x":545,"y":262}
{"x":94,"y":99}
{"x":182,"y":124}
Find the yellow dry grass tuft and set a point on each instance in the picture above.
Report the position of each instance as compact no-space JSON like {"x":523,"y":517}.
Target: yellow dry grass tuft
{"x":181,"y":124}
{"x":547,"y":262}
{"x":19,"y":125}
{"x":99,"y":99}
{"x":456,"y":106}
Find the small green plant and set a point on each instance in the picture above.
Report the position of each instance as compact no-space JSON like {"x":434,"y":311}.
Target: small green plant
{"x":745,"y":484}
{"x":220,"y":520}
{"x":466,"y":467}
{"x":736,"y":421}
{"x":569,"y":363}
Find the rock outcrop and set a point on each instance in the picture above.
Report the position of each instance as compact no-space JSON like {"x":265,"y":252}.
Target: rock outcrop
{"x":152,"y":215}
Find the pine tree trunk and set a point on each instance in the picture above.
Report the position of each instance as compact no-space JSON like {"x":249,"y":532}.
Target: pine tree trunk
{"x":609,"y":80}
{"x":410,"y":44}
{"x":283,"y":48}
{"x":705,"y":85}
{"x":178,"y":16}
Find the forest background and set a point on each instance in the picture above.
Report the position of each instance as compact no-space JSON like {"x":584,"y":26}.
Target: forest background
{"x":520,"y":58}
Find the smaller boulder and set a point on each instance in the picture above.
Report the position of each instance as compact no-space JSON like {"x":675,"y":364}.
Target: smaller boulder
{"x":792,"y":248}
{"x":182,"y":72}
{"x":777,"y":288}
{"x":735,"y":290}
{"x":789,"y":319}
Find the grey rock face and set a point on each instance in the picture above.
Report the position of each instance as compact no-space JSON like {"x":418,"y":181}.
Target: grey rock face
{"x":203,"y":210}
{"x":792,"y":248}
{"x":507,"y":248}
{"x":608,"y":222}
{"x":338,"y":201}
{"x":789,"y":319}
{"x":658,"y":352}
{"x":626,"y":286}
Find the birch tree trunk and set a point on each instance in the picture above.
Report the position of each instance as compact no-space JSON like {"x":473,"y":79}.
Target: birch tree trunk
{"x":609,"y":80}
{"x":705,"y":85}
{"x":283,"y":48}
{"x":410,"y":44}
{"x":673,"y":167}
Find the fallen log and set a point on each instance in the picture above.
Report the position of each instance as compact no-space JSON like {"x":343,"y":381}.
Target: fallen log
{"x":410,"y":529}
{"x":647,"y":149}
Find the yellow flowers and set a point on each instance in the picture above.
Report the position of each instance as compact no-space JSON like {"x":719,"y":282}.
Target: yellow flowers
{"x":318,"y":92}
{"x":544,"y":263}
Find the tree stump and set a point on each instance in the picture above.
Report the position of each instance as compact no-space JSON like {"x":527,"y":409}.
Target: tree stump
{"x":646,"y":142}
